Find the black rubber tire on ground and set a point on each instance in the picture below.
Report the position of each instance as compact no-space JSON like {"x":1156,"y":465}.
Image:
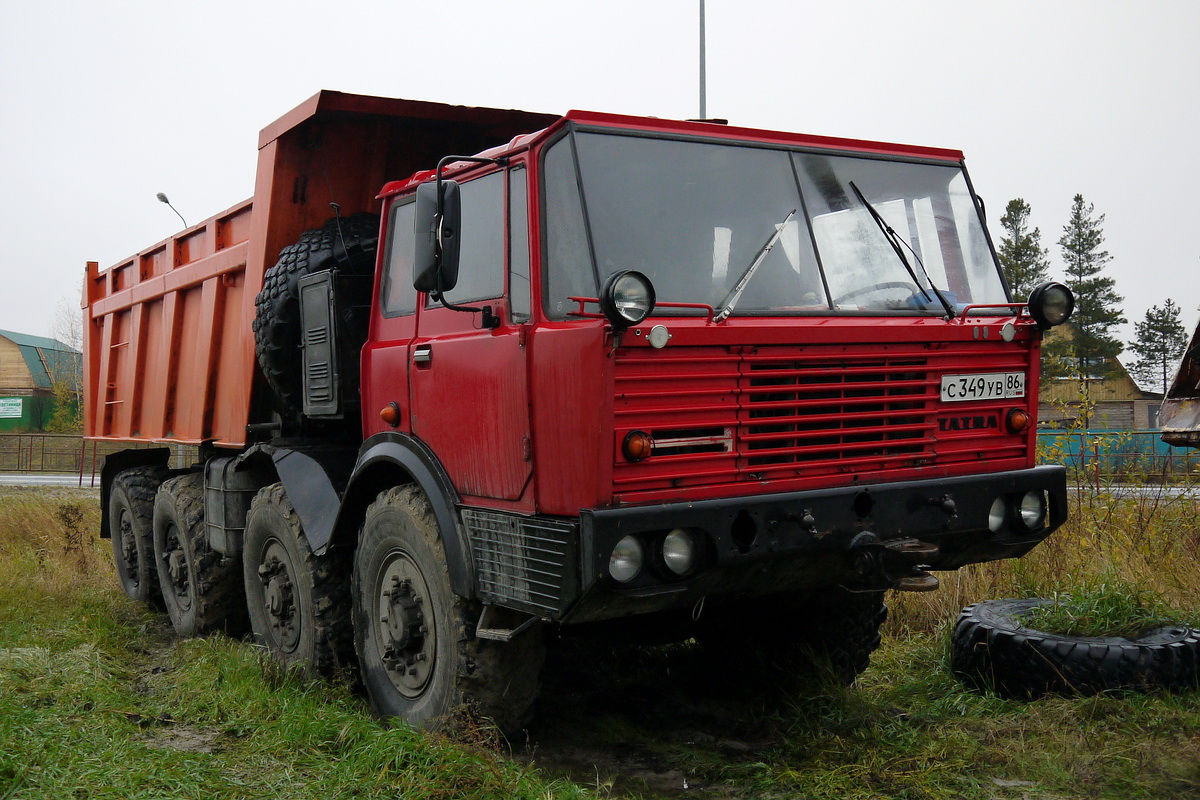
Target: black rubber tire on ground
{"x":298,"y":602}
{"x":130,"y":525}
{"x":993,"y":650}
{"x":418,"y":657}
{"x":346,"y":244}
{"x":202,"y":590}
{"x":827,"y":632}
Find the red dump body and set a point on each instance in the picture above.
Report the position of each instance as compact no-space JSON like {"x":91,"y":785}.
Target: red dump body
{"x":168,"y":344}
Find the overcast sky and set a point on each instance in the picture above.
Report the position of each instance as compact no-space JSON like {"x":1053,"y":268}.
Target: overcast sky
{"x":105,"y":104}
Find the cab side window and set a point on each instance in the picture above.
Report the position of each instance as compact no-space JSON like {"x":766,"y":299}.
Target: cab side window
{"x":518,"y":245}
{"x":397,"y":295}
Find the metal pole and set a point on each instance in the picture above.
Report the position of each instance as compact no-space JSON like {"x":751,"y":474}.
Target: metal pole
{"x":703,"y":80}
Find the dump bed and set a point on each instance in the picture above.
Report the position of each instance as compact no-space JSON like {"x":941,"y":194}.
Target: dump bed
{"x":168,"y":344}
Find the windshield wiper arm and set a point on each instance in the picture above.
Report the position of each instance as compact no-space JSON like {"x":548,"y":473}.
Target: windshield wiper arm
{"x":895,"y":240}
{"x":735,"y":294}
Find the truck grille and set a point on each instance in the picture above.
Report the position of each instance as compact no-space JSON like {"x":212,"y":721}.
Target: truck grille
{"x":720,"y":416}
{"x":520,"y":562}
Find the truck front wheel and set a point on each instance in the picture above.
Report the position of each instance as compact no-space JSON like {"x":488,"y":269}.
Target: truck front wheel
{"x":419,"y":659}
{"x":201,"y":589}
{"x":299,"y":602}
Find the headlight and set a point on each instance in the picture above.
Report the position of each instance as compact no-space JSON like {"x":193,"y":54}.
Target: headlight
{"x":1051,"y":304}
{"x":679,"y":551}
{"x":627,"y":299}
{"x":626,"y":560}
{"x":1033,"y":509}
{"x":996,"y":515}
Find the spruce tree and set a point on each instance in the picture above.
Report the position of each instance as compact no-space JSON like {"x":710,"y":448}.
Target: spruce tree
{"x":1161,"y":339}
{"x":1022,"y":257}
{"x":1092,"y":349}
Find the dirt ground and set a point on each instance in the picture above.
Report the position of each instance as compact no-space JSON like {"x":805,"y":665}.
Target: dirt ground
{"x":641,"y":719}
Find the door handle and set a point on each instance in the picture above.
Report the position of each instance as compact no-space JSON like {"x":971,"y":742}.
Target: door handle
{"x":422,"y":354}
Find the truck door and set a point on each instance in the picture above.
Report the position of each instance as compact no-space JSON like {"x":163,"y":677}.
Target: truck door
{"x":469,"y":384}
{"x":385,"y":359}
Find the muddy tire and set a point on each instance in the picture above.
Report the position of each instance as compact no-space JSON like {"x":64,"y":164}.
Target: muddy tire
{"x":419,"y":659}
{"x":826,"y":633}
{"x":993,"y":650}
{"x":298,"y":602}
{"x":347,"y":245}
{"x":130,"y":526}
{"x":202,"y":591}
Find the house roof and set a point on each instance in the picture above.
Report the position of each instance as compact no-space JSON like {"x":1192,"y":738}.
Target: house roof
{"x":42,"y":355}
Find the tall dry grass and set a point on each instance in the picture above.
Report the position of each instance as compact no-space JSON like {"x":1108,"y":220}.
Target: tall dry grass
{"x":1151,"y":542}
{"x":50,"y":537}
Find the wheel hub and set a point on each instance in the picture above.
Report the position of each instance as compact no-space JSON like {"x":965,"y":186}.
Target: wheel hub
{"x":177,"y":567}
{"x":129,"y":554}
{"x":407,"y":642}
{"x":279,"y":600}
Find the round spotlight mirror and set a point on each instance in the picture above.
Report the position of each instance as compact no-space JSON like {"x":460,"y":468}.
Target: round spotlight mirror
{"x":1051,"y":304}
{"x":627,"y":298}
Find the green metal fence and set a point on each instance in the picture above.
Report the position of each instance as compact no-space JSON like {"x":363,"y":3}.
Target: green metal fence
{"x":1106,"y":456}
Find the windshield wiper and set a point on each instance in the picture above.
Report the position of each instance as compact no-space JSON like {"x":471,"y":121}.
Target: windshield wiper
{"x":895,"y":240}
{"x":735,"y":294}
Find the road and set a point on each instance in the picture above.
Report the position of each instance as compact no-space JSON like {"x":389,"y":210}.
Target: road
{"x":46,"y":479}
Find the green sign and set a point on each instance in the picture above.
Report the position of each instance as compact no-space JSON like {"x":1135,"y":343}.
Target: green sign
{"x":11,"y":407}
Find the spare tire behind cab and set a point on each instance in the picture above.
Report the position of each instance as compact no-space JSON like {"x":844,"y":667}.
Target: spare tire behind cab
{"x":992,"y":649}
{"x":345,"y":244}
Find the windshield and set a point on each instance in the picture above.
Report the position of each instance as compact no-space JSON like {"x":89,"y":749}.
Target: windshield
{"x":695,"y":216}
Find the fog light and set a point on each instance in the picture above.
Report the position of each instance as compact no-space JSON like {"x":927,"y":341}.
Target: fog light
{"x":626,"y":560}
{"x":1033,"y":509}
{"x":679,"y":551}
{"x":996,"y":515}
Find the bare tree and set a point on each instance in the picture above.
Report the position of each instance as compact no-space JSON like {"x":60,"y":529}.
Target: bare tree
{"x":66,"y":367}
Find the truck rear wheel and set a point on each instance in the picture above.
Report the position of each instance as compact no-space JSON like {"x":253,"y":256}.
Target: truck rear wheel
{"x":298,"y":602}
{"x":201,"y":590}
{"x":346,"y":244}
{"x":419,"y":659}
{"x":130,"y":526}
{"x":802,"y":634}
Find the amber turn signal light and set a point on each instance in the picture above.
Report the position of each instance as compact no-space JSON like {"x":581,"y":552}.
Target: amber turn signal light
{"x":391,"y":414}
{"x":1018,"y":420}
{"x":638,"y":445}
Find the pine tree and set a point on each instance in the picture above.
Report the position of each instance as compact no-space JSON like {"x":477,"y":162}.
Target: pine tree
{"x":1161,"y":339}
{"x":1022,"y":257}
{"x":1091,"y":350}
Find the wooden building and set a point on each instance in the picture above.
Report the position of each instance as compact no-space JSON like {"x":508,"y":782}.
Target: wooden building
{"x":29,"y":367}
{"x":1116,"y":401}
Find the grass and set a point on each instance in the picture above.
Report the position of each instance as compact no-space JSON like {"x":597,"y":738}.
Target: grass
{"x":99,"y":700}
{"x":1108,"y":607}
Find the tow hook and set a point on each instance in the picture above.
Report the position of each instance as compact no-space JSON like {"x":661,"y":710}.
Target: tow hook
{"x":898,"y":564}
{"x":905,"y":560}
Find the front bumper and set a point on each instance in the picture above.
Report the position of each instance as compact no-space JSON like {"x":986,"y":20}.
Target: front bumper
{"x":802,"y":540}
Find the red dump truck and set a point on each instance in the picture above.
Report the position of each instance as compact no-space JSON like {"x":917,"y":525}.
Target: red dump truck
{"x":460,"y":378}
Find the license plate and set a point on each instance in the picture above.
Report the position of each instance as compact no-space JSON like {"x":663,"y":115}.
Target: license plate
{"x":984,"y":386}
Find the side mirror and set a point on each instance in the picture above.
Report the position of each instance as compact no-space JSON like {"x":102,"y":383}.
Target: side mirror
{"x":435,"y":263}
